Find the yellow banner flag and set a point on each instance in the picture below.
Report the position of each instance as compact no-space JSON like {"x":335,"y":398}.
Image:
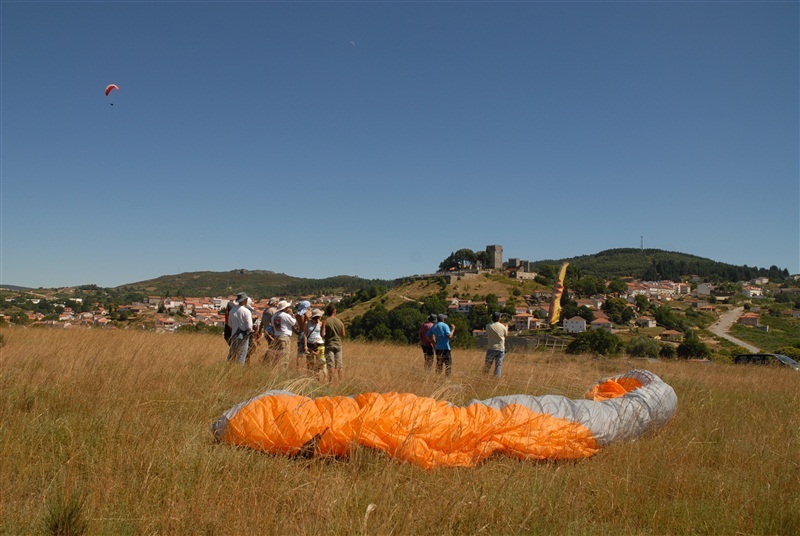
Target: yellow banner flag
{"x":558,"y":290}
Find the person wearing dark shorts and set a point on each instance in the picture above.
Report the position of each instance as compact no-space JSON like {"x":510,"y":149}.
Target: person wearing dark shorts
{"x":333,"y":332}
{"x":441,"y":334}
{"x":426,"y":343}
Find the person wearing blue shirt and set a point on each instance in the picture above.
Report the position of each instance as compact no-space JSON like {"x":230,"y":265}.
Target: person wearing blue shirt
{"x":441,"y":334}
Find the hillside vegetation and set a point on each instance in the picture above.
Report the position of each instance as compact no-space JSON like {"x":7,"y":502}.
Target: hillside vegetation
{"x":646,"y":264}
{"x":656,"y":264}
{"x":257,"y":283}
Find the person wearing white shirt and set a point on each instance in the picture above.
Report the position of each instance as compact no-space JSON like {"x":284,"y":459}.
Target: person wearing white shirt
{"x":496,"y":332}
{"x":283,"y":322}
{"x":240,"y":319}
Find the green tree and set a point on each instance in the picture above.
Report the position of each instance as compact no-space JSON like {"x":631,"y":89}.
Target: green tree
{"x":693,"y":348}
{"x":478,"y":317}
{"x":368,"y":325}
{"x":587,"y":286}
{"x":571,"y":309}
{"x":667,"y":318}
{"x":380,"y":332}
{"x":463,"y":337}
{"x":595,"y":341}
{"x":642,"y":347}
{"x":404,"y":321}
{"x":546,"y":274}
{"x":667,"y":351}
{"x":492,"y":302}
{"x":618,"y":311}
{"x":483,"y":258}
{"x":617,"y":286}
{"x":642,"y":303}
{"x":448,"y":264}
{"x":460,"y":260}
{"x":20,"y":319}
{"x":435,"y":303}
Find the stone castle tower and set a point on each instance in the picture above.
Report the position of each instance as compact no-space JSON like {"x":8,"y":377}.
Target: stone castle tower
{"x":495,"y":257}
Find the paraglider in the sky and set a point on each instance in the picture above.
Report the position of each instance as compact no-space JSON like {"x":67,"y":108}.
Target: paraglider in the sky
{"x":433,"y":433}
{"x":109,"y":89}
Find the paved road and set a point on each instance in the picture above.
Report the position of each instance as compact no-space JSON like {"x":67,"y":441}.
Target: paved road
{"x":725,"y":322}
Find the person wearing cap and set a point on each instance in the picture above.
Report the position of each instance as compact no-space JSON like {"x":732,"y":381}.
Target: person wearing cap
{"x":283,"y":323}
{"x":266,"y":316}
{"x":301,"y":316}
{"x":241,"y":322}
{"x":425,"y":342}
{"x":314,"y":344}
{"x":441,"y":334}
{"x":333,"y":331}
{"x":496,"y":332}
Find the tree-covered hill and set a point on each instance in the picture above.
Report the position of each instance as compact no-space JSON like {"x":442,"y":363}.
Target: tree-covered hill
{"x":257,"y":283}
{"x":656,"y":264}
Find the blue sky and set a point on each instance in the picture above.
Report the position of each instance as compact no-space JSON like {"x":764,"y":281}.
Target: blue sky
{"x":375,"y":138}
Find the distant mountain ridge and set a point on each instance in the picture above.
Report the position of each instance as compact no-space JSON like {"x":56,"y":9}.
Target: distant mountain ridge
{"x":256,"y":283}
{"x":644,"y":264}
{"x":657,"y":264}
{"x":14,"y":288}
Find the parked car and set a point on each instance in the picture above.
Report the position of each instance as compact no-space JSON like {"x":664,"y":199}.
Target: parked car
{"x":766,"y":359}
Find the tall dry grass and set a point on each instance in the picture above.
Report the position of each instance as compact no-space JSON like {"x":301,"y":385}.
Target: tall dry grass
{"x":108,"y":433}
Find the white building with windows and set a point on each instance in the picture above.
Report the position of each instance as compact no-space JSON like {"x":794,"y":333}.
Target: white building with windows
{"x":576,"y":324}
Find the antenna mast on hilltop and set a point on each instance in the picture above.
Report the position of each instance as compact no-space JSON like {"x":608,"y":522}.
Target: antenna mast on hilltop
{"x":641,"y":242}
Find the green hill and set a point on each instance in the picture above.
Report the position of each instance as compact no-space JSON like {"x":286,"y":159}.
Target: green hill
{"x":257,"y":283}
{"x":656,"y":264}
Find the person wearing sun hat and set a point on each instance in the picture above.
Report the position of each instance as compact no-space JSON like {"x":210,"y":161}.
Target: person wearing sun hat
{"x":266,"y":316}
{"x":302,"y":316}
{"x":283,"y":323}
{"x":240,"y":319}
{"x":265,"y":329}
{"x":315,"y":344}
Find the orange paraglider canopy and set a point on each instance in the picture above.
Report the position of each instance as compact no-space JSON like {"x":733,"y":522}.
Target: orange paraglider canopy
{"x":434,"y":433}
{"x":110,"y":87}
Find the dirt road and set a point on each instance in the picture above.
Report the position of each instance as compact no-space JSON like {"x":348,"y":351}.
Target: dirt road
{"x":724,"y":323}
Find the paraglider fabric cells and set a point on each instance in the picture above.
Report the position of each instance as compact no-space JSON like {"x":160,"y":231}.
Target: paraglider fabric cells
{"x":110,"y":88}
{"x":432,"y":433}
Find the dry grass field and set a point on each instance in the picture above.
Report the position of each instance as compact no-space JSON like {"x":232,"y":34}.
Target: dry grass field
{"x":107,"y":432}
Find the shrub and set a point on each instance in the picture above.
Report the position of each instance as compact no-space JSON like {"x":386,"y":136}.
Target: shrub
{"x":595,"y":341}
{"x":65,"y":517}
{"x":791,"y":351}
{"x":693,"y":348}
{"x":642,"y":347}
{"x":667,"y":351}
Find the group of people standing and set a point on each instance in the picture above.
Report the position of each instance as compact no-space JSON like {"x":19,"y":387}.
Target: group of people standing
{"x":319,"y":336}
{"x":435,"y":335}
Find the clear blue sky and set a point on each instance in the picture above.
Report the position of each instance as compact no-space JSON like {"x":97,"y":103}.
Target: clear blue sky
{"x":375,"y":138}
